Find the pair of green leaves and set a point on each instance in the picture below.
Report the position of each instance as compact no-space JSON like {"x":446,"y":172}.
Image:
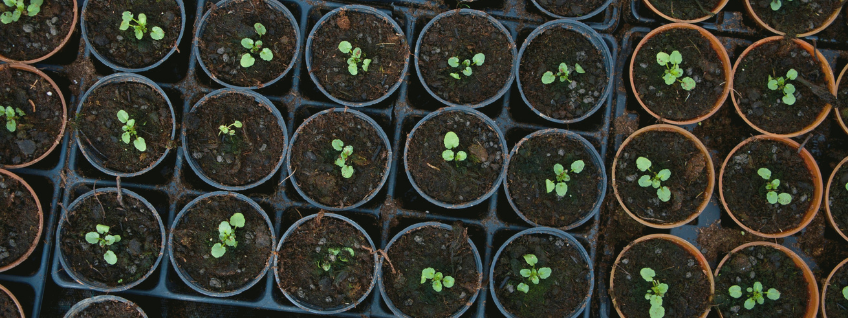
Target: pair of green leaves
{"x":341,"y":161}
{"x":673,"y":71}
{"x":781,"y":84}
{"x":227,"y":234}
{"x":106,"y":240}
{"x":478,"y":60}
{"x":438,"y":278}
{"x":562,"y":177}
{"x":655,"y":294}
{"x":563,"y":72}
{"x":356,"y":56}
{"x":663,"y":192}
{"x":771,"y":186}
{"x":451,"y":142}
{"x":756,"y":294}
{"x":336,"y":255}
{"x":13,"y":16}
{"x":231,"y":129}
{"x":532,"y":273}
{"x":247,"y":59}
{"x":12,"y":115}
{"x":130,"y":133}
{"x":140,"y":27}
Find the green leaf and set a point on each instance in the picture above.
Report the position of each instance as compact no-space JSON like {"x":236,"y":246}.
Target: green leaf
{"x":765,"y":173}
{"x":124,"y":25}
{"x":102,"y":229}
{"x":437,"y":286}
{"x":772,"y":84}
{"x":447,"y":155}
{"x":11,"y":125}
{"x":349,"y":250}
{"x":454,"y":75}
{"x":758,"y":287}
{"x":645,"y":181}
{"x":656,"y":183}
{"x":479,"y":59}
{"x":771,"y":197}
{"x":156,"y":33}
{"x":664,"y":194}
{"x":749,"y":304}
{"x":656,"y":300}
{"x":563,"y":68}
{"x":531,"y":259}
{"x":522,"y":287}
{"x":662,"y":58}
{"x":345,"y":47}
{"x":6,"y":17}
{"x":247,"y":60}
{"x":775,"y":183}
{"x":110,"y":239}
{"x":558,"y":169}
{"x":784,"y":198}
{"x":340,"y":162}
{"x":237,"y":220}
{"x":337,"y":144}
{"x":357,"y":52}
{"x":467,"y":71}
{"x":664,"y":174}
{"x":365,"y":64}
{"x":647,"y":274}
{"x":549,"y":185}
{"x":789,"y":99}
{"x":578,"y":68}
{"x":347,"y":172}
{"x":247,"y":43}
{"x":561,"y":189}
{"x":237,"y":124}
{"x":218,"y":250}
{"x":138,"y":33}
{"x":266,"y":54}
{"x":577,"y":166}
{"x":92,"y":237}
{"x":687,"y":83}
{"x":447,"y":281}
{"x":453,"y":61}
{"x":123,"y":116}
{"x":773,"y":294}
{"x":544,"y":272}
{"x":735,"y":291}
{"x":140,"y":144}
{"x":351,"y":68}
{"x":142,"y":19}
{"x":451,"y":140}
{"x":657,"y":311}
{"x":792,"y":74}
{"x":110,"y":257}
{"x":775,"y":5}
{"x":131,"y":123}
{"x":525,"y":272}
{"x":643,"y":163}
{"x":33,"y":9}
{"x":117,"y":238}
{"x":126,"y":16}
{"x":675,"y":57}
{"x":845,"y":289}
{"x":662,"y":289}
{"x":548,"y":77}
{"x":789,"y":89}
{"x":460,"y":156}
{"x":125,"y":137}
{"x":669,"y":78}
{"x":466,"y":63}
{"x":534,"y":279}
{"x":334,"y":250}
{"x":224,"y":228}
{"x":427,"y":273}
{"x":260,"y":29}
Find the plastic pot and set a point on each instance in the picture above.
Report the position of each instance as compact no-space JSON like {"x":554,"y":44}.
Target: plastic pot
{"x":771,"y":29}
{"x":117,"y":79}
{"x":83,"y":304}
{"x":811,"y":166}
{"x":34,"y":242}
{"x":582,"y":17}
{"x":843,"y":163}
{"x":839,"y":119}
{"x":598,"y":43}
{"x":709,"y":168}
{"x":368,"y":120}
{"x":15,"y":300}
{"x":667,"y":17}
{"x":308,"y":307}
{"x":826,"y":284}
{"x":56,"y":50}
{"x":714,"y":43}
{"x":191,"y":282}
{"x":550,"y":231}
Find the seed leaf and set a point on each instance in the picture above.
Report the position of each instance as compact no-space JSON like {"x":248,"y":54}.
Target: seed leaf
{"x":676,"y":58}
{"x":735,"y":291}
{"x":110,"y":257}
{"x":645,"y":181}
{"x":451,"y":140}
{"x":453,"y":61}
{"x":140,"y":144}
{"x":347,"y":172}
{"x":260,"y":29}
{"x":448,"y":281}
{"x":479,"y":58}
{"x":447,"y":155}
{"x":522,"y":287}
{"x":643,"y":163}
{"x":156,"y":33}
{"x":784,"y":198}
{"x":664,"y":174}
{"x":237,"y":220}
{"x":765,"y":173}
{"x":578,"y":68}
{"x":345,"y":47}
{"x":266,"y":54}
{"x":664,"y":194}
{"x":218,"y":250}
{"x":544,"y":272}
{"x":549,"y":185}
{"x":92,"y":237}
{"x":460,"y":156}
{"x":548,"y":77}
{"x":792,"y":74}
{"x":577,"y":166}
{"x":558,"y":169}
{"x":531,"y":259}
{"x":561,"y":189}
{"x":647,"y":274}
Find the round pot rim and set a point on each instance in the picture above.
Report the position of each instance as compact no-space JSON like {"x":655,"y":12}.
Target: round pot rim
{"x":15,"y":300}
{"x":578,"y":18}
{"x":714,"y":11}
{"x":57,"y":49}
{"x":771,"y":29}
{"x":841,"y":121}
{"x":83,"y":304}
{"x":843,"y":163}
{"x":827,"y":283}
{"x":35,"y":241}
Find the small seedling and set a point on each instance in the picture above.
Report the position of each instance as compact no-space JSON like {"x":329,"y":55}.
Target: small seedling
{"x":12,"y":115}
{"x":563,"y":73}
{"x":227,"y":234}
{"x":341,"y":161}
{"x":562,"y":177}
{"x":532,"y":273}
{"x":655,"y":294}
{"x":140,"y":26}
{"x":771,"y":187}
{"x":106,"y":240}
{"x":439,"y":280}
{"x":255,"y":47}
{"x":229,"y":130}
{"x":776,"y":4}
{"x":335,"y":258}
{"x":356,"y":56}
{"x":452,"y":141}
{"x":755,"y":294}
{"x":780,"y":84}
{"x":32,"y":9}
{"x":130,"y":132}
{"x":845,"y":292}
{"x":478,"y":60}
{"x":673,"y":70}
{"x":846,"y":186}
{"x":663,"y":193}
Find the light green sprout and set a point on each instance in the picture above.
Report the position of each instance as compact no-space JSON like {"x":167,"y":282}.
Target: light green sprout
{"x":452,"y":141}
{"x":563,"y":73}
{"x":439,"y":280}
{"x":356,"y":56}
{"x":772,"y":196}
{"x":335,"y":258}
{"x":780,"y":84}
{"x":465,"y":65}
{"x":227,"y":234}
{"x":130,"y":133}
{"x":532,"y":273}
{"x":341,"y":161}
{"x":229,"y":130}
{"x":140,"y":26}
{"x":755,"y":295}
{"x":673,"y":70}
{"x":562,"y":177}
{"x":663,"y":193}
{"x":655,"y":294}
{"x":20,"y":6}
{"x":106,"y":240}
{"x":12,"y":115}
{"x":776,"y":4}
{"x":845,"y":292}
{"x":247,"y":59}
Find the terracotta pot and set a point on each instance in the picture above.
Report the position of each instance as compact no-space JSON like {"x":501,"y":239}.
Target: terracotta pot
{"x":831,"y":85}
{"x":811,"y":166}
{"x":34,"y":242}
{"x":664,"y":16}
{"x":839,"y":118}
{"x":812,"y":287}
{"x":17,"y":303}
{"x":702,"y":261}
{"x":56,"y":50}
{"x":710,"y":171}
{"x":763,"y":25}
{"x":827,"y":283}
{"x":843,"y":163}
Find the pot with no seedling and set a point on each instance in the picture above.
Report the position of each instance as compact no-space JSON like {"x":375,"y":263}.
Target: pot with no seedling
{"x":105,"y":306}
{"x":9,"y":304}
{"x":796,"y":18}
{"x":35,"y":30}
{"x":22,"y":219}
{"x":686,"y":11}
{"x":576,"y":10}
{"x":836,"y":198}
{"x":836,"y":301}
{"x":842,"y":94}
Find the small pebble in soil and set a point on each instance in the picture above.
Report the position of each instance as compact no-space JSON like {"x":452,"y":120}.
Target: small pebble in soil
{"x":691,"y":262}
{"x":462,"y":295}
{"x":625,"y":261}
{"x":418,"y":239}
{"x":688,"y":275}
{"x":317,"y":249}
{"x":27,"y":28}
{"x":322,"y":241}
{"x":509,"y":288}
{"x":408,"y":302}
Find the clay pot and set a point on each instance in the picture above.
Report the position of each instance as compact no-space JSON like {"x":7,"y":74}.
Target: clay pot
{"x":56,"y":50}
{"x":34,"y":243}
{"x":839,"y":118}
{"x":664,"y":16}
{"x":763,"y":24}
{"x":842,"y":163}
{"x":15,"y":300}
{"x":827,"y":283}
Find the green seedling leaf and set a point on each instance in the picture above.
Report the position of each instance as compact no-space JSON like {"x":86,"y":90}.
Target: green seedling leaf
{"x":453,"y":61}
{"x":643,"y":163}
{"x":845,"y":289}
{"x":662,"y":58}
{"x":669,"y":78}
{"x":447,"y":155}
{"x":479,"y":59}
{"x":765,"y":173}
{"x":156,"y":33}
{"x":110,"y":257}
{"x":784,"y":198}
{"x":451,"y":140}
{"x":351,"y":68}
{"x":563,"y":68}
{"x":544,"y":272}
{"x":102,"y":229}
{"x":454,"y":75}
{"x":664,"y":174}
{"x":139,"y":34}
{"x":789,"y":89}
{"x":773,"y":294}
{"x":675,"y":57}
{"x":266,"y":54}
{"x":645,"y":181}
{"x":142,"y":19}
{"x":347,"y":172}
{"x":334,"y":250}
{"x":531,"y":259}
{"x":467,"y":71}
{"x":247,"y":60}
{"x":735,"y":291}
{"x":127,"y":16}
{"x":655,"y":183}
{"x":792,"y":74}
{"x":260,"y":29}
{"x":771,"y":197}
{"x":349,"y":250}
{"x":218,"y":250}
{"x":447,"y":282}
{"x":548,"y":78}
{"x":772,"y":84}
{"x":664,"y":194}
{"x":579,"y":69}
{"x":11,"y":125}
{"x":577,"y":166}
{"x":125,"y":137}
{"x":647,"y":274}
{"x":92,"y":237}
{"x":789,"y":99}
{"x":247,"y":43}
{"x":657,"y":311}
{"x":460,"y":156}
{"x":365,"y":64}
{"x":750,"y":303}
{"x":427,"y":273}
{"x":140,"y":144}
{"x":123,"y":116}
{"x":338,"y":144}
{"x":345,"y":47}
{"x":522,"y":287}
{"x":549,"y":185}
{"x":558,"y":169}
{"x":775,"y":5}
{"x":561,"y":189}
{"x":237,"y":220}
{"x":687,"y":83}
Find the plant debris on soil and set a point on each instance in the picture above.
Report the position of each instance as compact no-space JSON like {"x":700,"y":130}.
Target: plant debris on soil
{"x":33,"y":37}
{"x":571,"y":8}
{"x":109,"y":308}
{"x":20,"y":220}
{"x":796,"y":17}
{"x":41,"y":125}
{"x":8,"y":308}
{"x":686,"y":10}
{"x":835,"y":304}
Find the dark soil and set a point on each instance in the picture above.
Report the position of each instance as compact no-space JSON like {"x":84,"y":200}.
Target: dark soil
{"x":422,"y":248}
{"x":306,"y":247}
{"x":556,"y":296}
{"x":688,"y":181}
{"x":700,"y":62}
{"x":103,"y":19}
{"x":796,"y":17}
{"x":47,"y":30}
{"x":109,"y":308}
{"x":249,"y":155}
{"x":40,"y":127}
{"x":101,"y":130}
{"x":8,"y":309}
{"x":686,"y":10}
{"x":533,"y":164}
{"x":571,"y":8}
{"x":220,"y":43}
{"x":463,"y":36}
{"x":313,"y":159}
{"x":688,"y":284}
{"x":197,"y":232}
{"x":834,"y":303}
{"x":838,"y":200}
{"x":378,"y":41}
{"x":19,"y":220}
{"x":455,"y":182}
{"x":563,"y":100}
{"x":842,"y":95}
{"x":764,"y":107}
{"x":137,"y":251}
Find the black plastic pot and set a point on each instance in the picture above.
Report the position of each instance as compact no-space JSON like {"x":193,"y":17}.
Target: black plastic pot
{"x":582,"y":17}
{"x":83,"y":304}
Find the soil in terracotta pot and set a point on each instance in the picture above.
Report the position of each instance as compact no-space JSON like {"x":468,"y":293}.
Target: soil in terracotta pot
{"x":834,"y":303}
{"x":463,"y":36}
{"x":109,"y":308}
{"x":197,"y":232}
{"x":578,"y":94}
{"x":688,"y":292}
{"x":378,"y":41}
{"x":533,"y":164}
{"x":36,"y":131}
{"x":221,"y":49}
{"x":245,"y":157}
{"x":100,"y":130}
{"x":685,"y":10}
{"x":8,"y":308}
{"x":103,"y":19}
{"x":764,"y":107}
{"x":348,"y":276}
{"x":455,"y":182}
{"x":19,"y":221}
{"x":687,"y":183}
{"x":700,"y":62}
{"x":842,"y":95}
{"x":33,"y":37}
{"x":571,"y":8}
{"x":556,"y":296}
{"x":137,"y":251}
{"x":795,"y":17}
{"x":745,"y":190}
{"x":313,"y":159}
{"x":420,"y":249}
{"x":838,"y":200}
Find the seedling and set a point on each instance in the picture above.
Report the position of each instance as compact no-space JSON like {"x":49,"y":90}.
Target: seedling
{"x":20,"y":6}
{"x":227,"y":234}
{"x":356,"y":56}
{"x":755,"y":294}
{"x":130,"y":132}
{"x":673,"y":70}
{"x":655,"y":294}
{"x":780,"y":84}
{"x":845,"y":292}
{"x":335,"y":258}
{"x":12,"y":116}
{"x":255,"y":47}
{"x":140,"y":26}
{"x":106,"y":240}
{"x":532,"y":274}
{"x":776,"y":4}
{"x":562,"y":177}
{"x":562,"y":73}
{"x":439,"y":280}
{"x":771,"y":186}
{"x":478,"y":60}
{"x":229,"y":130}
{"x":341,"y":161}
{"x":846,"y":186}
{"x":663,"y":193}
{"x":452,"y":141}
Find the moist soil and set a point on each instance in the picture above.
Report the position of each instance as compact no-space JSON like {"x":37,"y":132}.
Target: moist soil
{"x":835,"y":304}
{"x":33,"y":37}
{"x":745,"y":190}
{"x":773,"y":269}
{"x":463,"y":36}
{"x":688,"y":292}
{"x":109,"y":308}
{"x":796,"y":17}
{"x":101,"y":130}
{"x":249,"y":155}
{"x":455,"y":182}
{"x":137,"y":251}
{"x":40,"y":127}
{"x":307,"y":246}
{"x":198,"y":232}
{"x":220,"y":43}
{"x":313,"y":159}
{"x":8,"y":308}
{"x":688,"y":181}
{"x":571,"y":8}
{"x":446,"y":251}
{"x":559,"y":295}
{"x":568,"y":99}
{"x":103,"y":19}
{"x":700,"y":62}
{"x":764,"y":107}
{"x":842,"y":95}
{"x":838,"y":200}
{"x":378,"y":41}
{"x":20,"y":220}
{"x":533,"y":164}
{"x":686,"y":10}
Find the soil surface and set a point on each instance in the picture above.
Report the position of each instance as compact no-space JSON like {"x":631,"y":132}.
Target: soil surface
{"x":40,"y":127}
{"x":19,"y":220}
{"x":568,"y":99}
{"x":221,"y":49}
{"x":110,"y":308}
{"x":795,"y":17}
{"x":197,"y":232}
{"x":378,"y":41}
{"x":842,"y":95}
{"x":686,"y":10}
{"x":33,"y":37}
{"x":463,"y":36}
{"x":838,"y":200}
{"x":313,"y":159}
{"x":556,"y":296}
{"x":8,"y":309}
{"x":571,"y":8}
{"x":834,"y":303}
